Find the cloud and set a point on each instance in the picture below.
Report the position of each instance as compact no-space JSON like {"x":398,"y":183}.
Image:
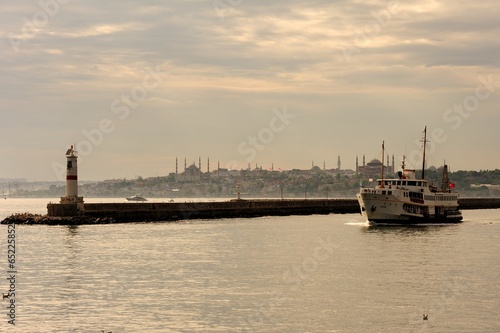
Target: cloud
{"x":223,"y":75}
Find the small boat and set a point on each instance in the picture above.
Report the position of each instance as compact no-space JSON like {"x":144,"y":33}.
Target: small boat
{"x":137,"y":197}
{"x":407,"y":200}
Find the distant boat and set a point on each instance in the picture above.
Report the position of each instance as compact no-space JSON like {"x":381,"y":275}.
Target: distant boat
{"x":137,"y":197}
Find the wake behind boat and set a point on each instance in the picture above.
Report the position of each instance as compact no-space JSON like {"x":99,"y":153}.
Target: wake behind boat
{"x":408,"y":200}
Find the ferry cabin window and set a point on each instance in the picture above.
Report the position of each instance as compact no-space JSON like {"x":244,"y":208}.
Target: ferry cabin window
{"x":379,"y":182}
{"x":405,"y":183}
{"x":398,"y":183}
{"x":412,"y":183}
{"x":416,"y":195}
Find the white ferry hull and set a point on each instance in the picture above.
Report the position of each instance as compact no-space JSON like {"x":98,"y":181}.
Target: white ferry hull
{"x":390,"y":210}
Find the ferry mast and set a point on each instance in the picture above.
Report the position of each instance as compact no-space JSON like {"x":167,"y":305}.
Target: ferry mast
{"x":383,"y":153}
{"x":423,"y":159}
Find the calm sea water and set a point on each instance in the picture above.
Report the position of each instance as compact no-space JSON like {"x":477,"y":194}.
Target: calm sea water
{"x":277,"y":274}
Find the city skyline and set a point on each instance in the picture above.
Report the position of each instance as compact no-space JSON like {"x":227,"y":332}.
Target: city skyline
{"x":134,"y":86}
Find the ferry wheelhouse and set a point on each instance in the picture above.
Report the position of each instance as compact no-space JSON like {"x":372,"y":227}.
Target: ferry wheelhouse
{"x":408,"y":200}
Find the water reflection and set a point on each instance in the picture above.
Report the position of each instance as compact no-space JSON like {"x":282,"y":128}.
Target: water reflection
{"x":71,"y":244}
{"x":225,"y":275}
{"x":69,"y":291}
{"x":73,"y":230}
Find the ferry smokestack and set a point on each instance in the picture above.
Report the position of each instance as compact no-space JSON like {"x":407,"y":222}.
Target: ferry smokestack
{"x":446,"y":180}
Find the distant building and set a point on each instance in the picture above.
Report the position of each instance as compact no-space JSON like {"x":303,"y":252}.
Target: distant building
{"x":488,"y":186}
{"x":225,"y":173}
{"x":315,"y":169}
{"x":191,"y":174}
{"x":373,"y":169}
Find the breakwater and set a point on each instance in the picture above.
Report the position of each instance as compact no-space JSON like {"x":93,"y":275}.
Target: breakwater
{"x":479,"y":203}
{"x":28,"y":218}
{"x":141,"y":211}
{"x":103,"y":213}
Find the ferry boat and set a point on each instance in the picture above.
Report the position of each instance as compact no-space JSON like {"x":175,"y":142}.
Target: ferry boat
{"x":407,"y":200}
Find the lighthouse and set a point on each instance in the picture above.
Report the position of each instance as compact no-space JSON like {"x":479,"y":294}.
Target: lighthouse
{"x":72,"y":180}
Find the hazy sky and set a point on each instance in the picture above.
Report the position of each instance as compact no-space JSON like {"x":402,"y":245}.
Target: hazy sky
{"x":136,"y":84}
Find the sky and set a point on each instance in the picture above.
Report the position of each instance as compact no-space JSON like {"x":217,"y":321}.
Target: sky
{"x":136,"y":84}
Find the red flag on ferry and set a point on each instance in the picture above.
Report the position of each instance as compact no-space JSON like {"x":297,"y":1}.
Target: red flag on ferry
{"x":451,"y":185}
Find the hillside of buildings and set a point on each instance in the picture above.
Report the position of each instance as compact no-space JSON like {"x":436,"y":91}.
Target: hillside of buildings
{"x":257,"y":183}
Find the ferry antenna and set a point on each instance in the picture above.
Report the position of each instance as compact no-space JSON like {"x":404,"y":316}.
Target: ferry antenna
{"x":383,"y":153}
{"x":424,"y":141}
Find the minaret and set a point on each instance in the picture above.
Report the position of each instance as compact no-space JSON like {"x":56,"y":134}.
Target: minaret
{"x":357,"y":165}
{"x":208,"y":164}
{"x":176,"y":166}
{"x":338,"y":163}
{"x":72,"y":180}
{"x":364,"y":163}
{"x":393,"y":167}
{"x":199,"y":163}
{"x":185,"y":164}
{"x":324,"y":165}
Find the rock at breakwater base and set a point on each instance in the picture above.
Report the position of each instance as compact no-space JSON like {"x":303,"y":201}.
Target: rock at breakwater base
{"x":31,"y":219}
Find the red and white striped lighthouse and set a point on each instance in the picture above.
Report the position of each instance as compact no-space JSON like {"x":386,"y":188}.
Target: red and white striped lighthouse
{"x":72,"y":180}
{"x":71,"y":173}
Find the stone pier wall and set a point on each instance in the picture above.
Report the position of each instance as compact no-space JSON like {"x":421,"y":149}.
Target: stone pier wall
{"x":479,"y":203}
{"x":228,"y":209}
